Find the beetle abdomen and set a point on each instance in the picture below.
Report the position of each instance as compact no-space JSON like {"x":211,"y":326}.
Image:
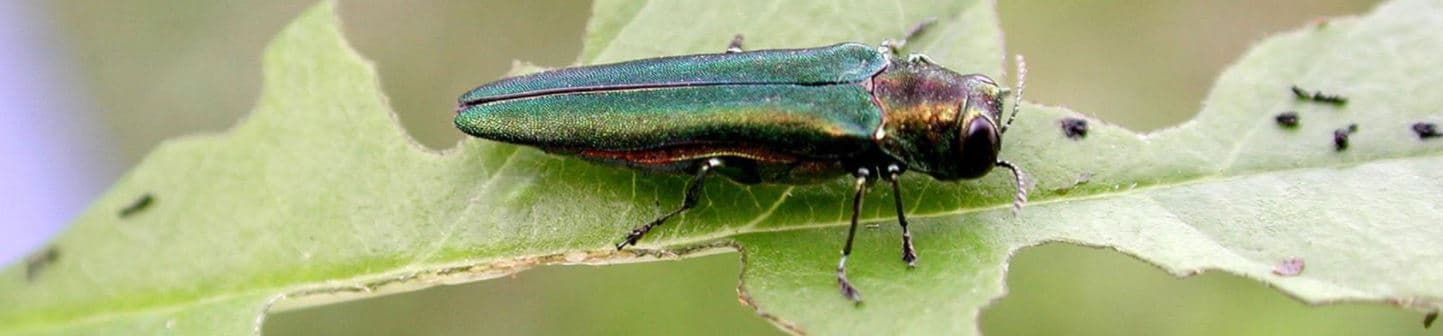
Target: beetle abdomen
{"x":744,"y":165}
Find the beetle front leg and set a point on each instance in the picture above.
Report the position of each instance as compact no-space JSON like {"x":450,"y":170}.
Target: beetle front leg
{"x":851,"y":293}
{"x":736,"y":45}
{"x":693,"y":192}
{"x":909,"y":253}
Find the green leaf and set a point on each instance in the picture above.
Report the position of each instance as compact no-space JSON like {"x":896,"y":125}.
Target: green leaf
{"x":1228,"y":191}
{"x":319,"y":195}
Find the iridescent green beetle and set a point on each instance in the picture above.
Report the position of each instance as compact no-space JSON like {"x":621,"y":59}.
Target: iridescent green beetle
{"x":787,"y":116}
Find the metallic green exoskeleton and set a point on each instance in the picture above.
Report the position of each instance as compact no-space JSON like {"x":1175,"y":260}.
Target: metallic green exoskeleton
{"x":787,"y":116}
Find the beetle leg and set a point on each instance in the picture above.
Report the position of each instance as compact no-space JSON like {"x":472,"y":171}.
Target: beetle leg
{"x":863,"y":176}
{"x":1021,"y":196}
{"x":736,"y":45}
{"x":895,"y":46}
{"x":693,"y":192}
{"x":909,"y":254}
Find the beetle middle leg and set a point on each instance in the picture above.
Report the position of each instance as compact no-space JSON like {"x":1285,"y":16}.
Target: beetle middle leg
{"x":693,"y":192}
{"x":909,"y":253}
{"x":736,"y":44}
{"x":863,"y":178}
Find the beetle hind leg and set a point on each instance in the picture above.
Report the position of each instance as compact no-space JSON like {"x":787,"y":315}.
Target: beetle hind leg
{"x":895,"y":46}
{"x":693,"y":192}
{"x":848,"y":291}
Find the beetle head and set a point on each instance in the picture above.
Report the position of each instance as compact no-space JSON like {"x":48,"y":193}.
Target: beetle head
{"x":979,"y":138}
{"x":942,"y":123}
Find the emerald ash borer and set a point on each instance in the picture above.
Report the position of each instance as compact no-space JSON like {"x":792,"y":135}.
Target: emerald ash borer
{"x":783,"y":116}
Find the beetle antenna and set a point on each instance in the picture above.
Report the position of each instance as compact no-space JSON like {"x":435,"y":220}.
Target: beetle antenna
{"x":1017,"y":100}
{"x":1020,"y":178}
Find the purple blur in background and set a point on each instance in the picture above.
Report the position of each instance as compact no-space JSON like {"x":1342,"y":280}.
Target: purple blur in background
{"x":53,"y":157}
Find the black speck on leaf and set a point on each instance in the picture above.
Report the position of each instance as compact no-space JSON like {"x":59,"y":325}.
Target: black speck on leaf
{"x":1287,"y":119}
{"x":36,"y":263}
{"x":140,"y":204}
{"x":1340,"y":136}
{"x":1074,"y":128}
{"x":1318,"y":96}
{"x":1426,"y":130}
{"x":1289,"y":267}
{"x":1300,"y":93}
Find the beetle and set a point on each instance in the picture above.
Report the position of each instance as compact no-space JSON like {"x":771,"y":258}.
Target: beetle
{"x":780,"y":116}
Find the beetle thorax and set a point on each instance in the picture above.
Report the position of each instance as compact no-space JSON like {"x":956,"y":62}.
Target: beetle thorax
{"x":921,"y":107}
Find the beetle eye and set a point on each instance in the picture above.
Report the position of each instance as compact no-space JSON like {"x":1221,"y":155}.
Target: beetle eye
{"x":980,"y":144}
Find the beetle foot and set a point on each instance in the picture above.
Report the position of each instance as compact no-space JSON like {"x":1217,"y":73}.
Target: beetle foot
{"x":909,"y":254}
{"x":848,"y":291}
{"x":631,"y":238}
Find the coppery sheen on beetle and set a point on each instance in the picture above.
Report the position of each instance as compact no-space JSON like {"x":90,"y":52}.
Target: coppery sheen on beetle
{"x":786,"y":116}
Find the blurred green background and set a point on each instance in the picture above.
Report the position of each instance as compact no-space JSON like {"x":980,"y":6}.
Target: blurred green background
{"x":157,"y":69}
